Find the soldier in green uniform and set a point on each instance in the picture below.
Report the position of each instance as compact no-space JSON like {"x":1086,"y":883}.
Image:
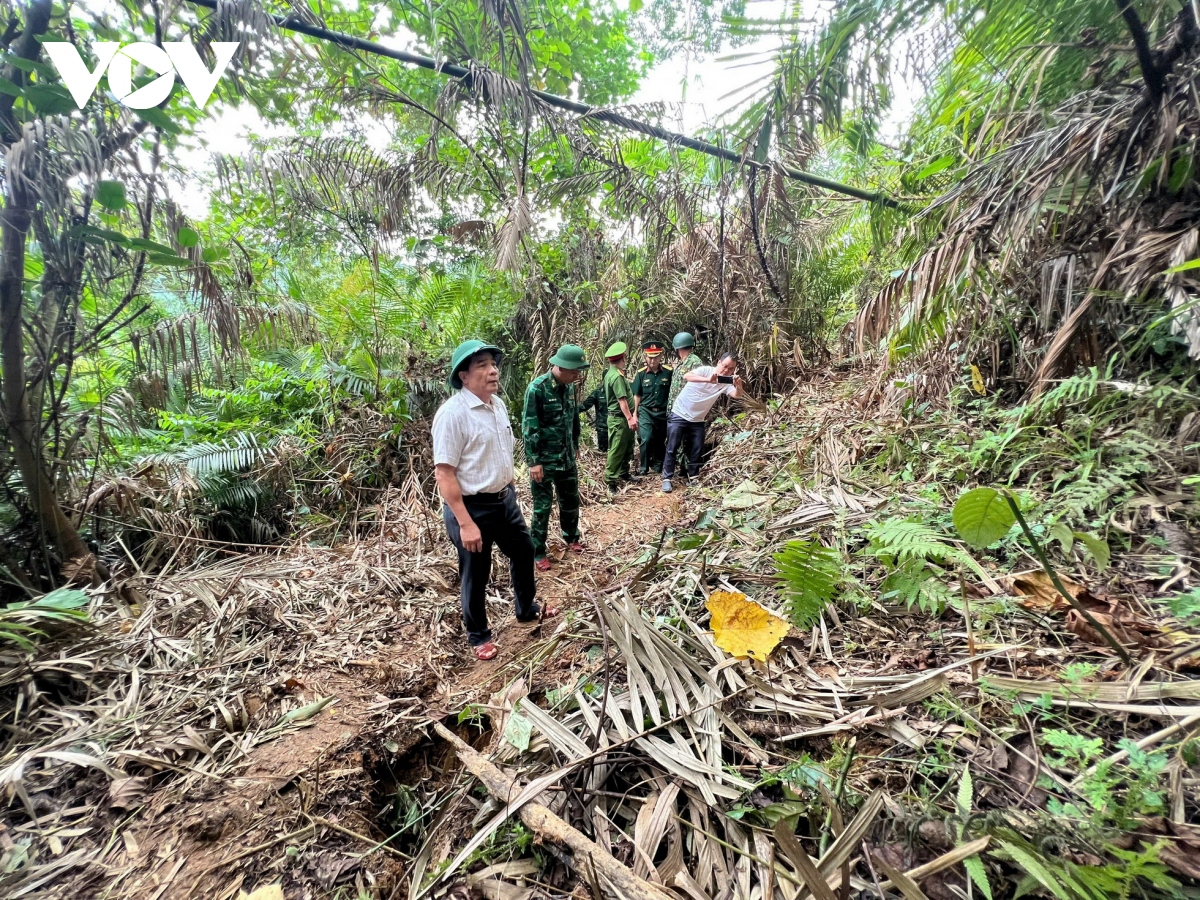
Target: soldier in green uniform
{"x":651,"y":387}
{"x":595,"y":400}
{"x":684,"y":345}
{"x":550,"y":428}
{"x":621,"y":421}
{"x":689,"y":359}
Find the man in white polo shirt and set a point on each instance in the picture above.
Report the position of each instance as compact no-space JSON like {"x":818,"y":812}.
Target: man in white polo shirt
{"x":473,"y":459}
{"x":686,"y":422}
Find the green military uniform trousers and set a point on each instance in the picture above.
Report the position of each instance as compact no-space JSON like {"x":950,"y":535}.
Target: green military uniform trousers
{"x":566,"y":483}
{"x":620,"y":450}
{"x":652,"y":434}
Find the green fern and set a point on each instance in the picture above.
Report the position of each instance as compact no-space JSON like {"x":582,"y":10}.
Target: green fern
{"x":810,"y":572}
{"x":233,"y":492}
{"x":903,"y":541}
{"x":912,"y":551}
{"x":237,"y":455}
{"x":1062,"y":879}
{"x":917,"y":583}
{"x":296,"y":362}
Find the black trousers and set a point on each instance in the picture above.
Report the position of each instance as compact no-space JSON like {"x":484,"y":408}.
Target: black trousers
{"x":652,"y":434}
{"x":689,"y":436}
{"x":501,"y":523}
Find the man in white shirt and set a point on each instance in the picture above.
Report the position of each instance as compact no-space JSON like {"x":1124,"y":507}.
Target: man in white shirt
{"x":686,"y":422}
{"x":473,"y":460}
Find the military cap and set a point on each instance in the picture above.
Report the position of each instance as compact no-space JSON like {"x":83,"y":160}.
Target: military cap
{"x":569,"y":356}
{"x":617,"y":349}
{"x":653,"y":348}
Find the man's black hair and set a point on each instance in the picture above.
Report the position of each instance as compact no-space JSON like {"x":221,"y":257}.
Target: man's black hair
{"x":730,"y":355}
{"x":495,"y":357}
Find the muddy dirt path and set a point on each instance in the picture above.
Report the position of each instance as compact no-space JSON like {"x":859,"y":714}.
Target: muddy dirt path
{"x":305,"y":805}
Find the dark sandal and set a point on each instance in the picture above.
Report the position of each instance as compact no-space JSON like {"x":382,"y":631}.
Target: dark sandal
{"x":486,"y":651}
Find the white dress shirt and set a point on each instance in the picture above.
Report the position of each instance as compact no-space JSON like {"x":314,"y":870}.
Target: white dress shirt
{"x":697,"y":398}
{"x":477,"y":439}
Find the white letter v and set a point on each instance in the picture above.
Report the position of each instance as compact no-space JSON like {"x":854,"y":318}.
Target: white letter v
{"x":196,"y":78}
{"x":75,"y":75}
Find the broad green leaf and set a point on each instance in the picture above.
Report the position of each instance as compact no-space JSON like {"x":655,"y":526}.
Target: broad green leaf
{"x":9,"y":87}
{"x":1181,"y":174}
{"x":212,"y":254}
{"x":149,"y":246}
{"x":63,"y":598}
{"x":1062,"y":533}
{"x":29,"y":65}
{"x":934,"y":167}
{"x":470,"y":713}
{"x":746,"y":495}
{"x":1097,"y":547}
{"x":784,"y":809}
{"x":167,"y":259}
{"x":518,"y":730}
{"x":305,"y":712}
{"x":50,"y":99}
{"x":982,"y":517}
{"x":1183,"y":267}
{"x":159,"y":119}
{"x":764,"y":140}
{"x":187,"y":237}
{"x":111,"y":195}
{"x":94,"y":235}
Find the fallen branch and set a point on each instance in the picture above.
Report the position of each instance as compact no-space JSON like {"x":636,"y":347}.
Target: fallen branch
{"x":588,"y":856}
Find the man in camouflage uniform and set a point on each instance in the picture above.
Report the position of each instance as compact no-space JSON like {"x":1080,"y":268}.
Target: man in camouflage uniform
{"x":689,"y":359}
{"x":595,"y":400}
{"x":651,"y":387}
{"x":550,"y":428}
{"x":684,"y":345}
{"x":621,"y":421}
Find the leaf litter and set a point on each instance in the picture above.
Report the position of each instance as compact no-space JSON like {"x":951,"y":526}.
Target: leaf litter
{"x":265,"y":720}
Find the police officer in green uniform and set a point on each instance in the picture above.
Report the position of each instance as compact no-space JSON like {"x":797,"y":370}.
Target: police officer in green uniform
{"x":621,"y":421}
{"x":550,"y":428}
{"x":595,"y":400}
{"x":651,"y":388}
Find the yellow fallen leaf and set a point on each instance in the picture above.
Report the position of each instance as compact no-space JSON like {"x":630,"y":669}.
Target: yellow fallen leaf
{"x":742,"y":628}
{"x":266,"y":892}
{"x":977,"y":381}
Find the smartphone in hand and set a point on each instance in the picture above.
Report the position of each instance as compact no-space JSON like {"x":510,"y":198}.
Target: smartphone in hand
{"x":724,"y":379}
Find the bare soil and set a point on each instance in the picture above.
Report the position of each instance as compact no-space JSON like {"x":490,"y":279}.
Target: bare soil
{"x":333,"y":776}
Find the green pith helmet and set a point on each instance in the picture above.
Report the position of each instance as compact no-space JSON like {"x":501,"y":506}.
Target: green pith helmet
{"x":683,"y":341}
{"x":569,"y":356}
{"x":616,"y":350}
{"x":462,"y":356}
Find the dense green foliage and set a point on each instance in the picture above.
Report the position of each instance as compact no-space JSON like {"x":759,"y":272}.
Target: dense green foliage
{"x":269,"y":364}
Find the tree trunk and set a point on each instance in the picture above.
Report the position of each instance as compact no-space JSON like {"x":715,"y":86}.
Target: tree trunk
{"x":18,"y":417}
{"x":21,"y":420}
